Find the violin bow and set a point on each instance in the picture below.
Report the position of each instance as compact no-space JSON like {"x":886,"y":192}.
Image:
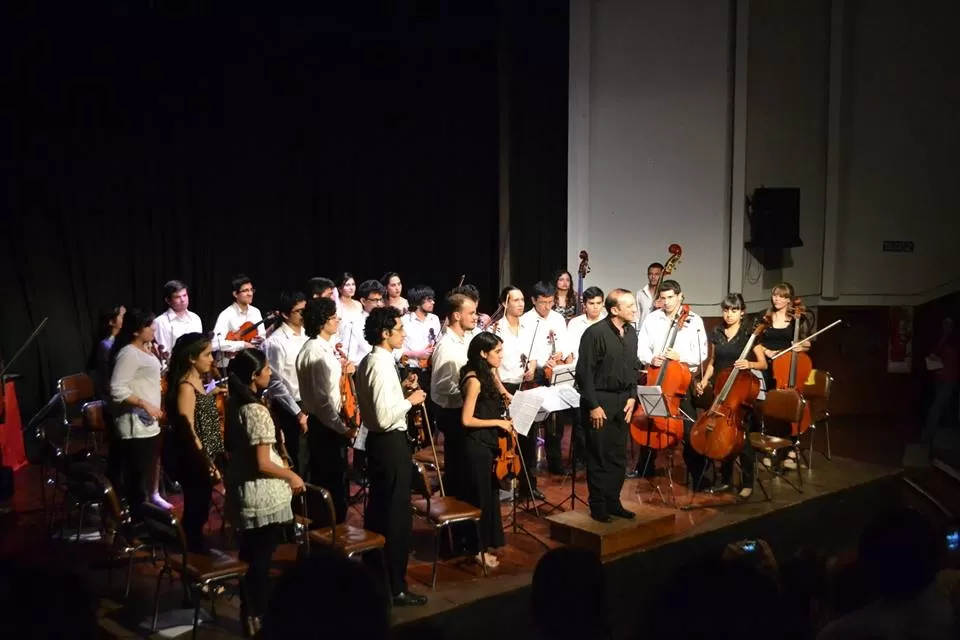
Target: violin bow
{"x":794,"y":346}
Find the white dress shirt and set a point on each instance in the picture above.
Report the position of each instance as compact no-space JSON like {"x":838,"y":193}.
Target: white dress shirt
{"x":231,"y":319}
{"x":418,"y":331}
{"x":448,"y":357}
{"x":169,"y":326}
{"x":318,"y":377}
{"x":691,"y":342}
{"x":135,"y":373}
{"x":355,"y":346}
{"x":514,"y":345}
{"x":644,"y":305}
{"x":575,"y":331}
{"x":379,"y":394}
{"x":542,"y":348}
{"x":282,"y":348}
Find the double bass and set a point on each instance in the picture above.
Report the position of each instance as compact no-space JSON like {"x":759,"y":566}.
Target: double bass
{"x":582,"y":270}
{"x":673,"y":377}
{"x":676,"y":252}
{"x":793,"y":369}
{"x":718,"y":434}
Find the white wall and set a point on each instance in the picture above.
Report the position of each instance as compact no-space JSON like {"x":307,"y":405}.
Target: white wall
{"x":649,"y":140}
{"x":787,"y":129}
{"x":854,"y":101}
{"x":901,"y":141}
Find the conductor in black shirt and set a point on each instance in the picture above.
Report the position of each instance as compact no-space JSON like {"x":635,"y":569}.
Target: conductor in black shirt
{"x":607,"y":379}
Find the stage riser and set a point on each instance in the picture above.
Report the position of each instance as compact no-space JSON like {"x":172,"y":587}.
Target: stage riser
{"x":831,"y":522}
{"x":578,"y":529}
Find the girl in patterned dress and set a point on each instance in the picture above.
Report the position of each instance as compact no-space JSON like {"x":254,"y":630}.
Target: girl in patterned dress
{"x":259,"y":485}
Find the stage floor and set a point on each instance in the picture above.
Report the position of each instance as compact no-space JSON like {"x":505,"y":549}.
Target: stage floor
{"x":466,"y":604}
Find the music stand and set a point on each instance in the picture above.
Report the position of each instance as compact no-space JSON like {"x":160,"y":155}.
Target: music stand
{"x":655,"y":405}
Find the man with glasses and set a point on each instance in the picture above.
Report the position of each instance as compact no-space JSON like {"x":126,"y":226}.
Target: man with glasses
{"x":234,"y":316}
{"x":355,"y":346}
{"x":282,"y":348}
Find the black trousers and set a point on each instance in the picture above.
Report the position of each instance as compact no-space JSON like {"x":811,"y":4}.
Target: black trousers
{"x":694,"y":462}
{"x":390,"y":473}
{"x":328,"y":464}
{"x":606,"y":453}
{"x":194,"y":477}
{"x":448,"y":421}
{"x":745,"y":458}
{"x":481,"y":489}
{"x":294,"y":440}
{"x":554,"y":438}
{"x":137,"y":460}
{"x":528,"y":450}
{"x":257,"y":547}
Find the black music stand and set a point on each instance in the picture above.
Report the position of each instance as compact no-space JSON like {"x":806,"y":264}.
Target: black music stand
{"x":564,"y":376}
{"x":514,"y":524}
{"x":654,"y":404}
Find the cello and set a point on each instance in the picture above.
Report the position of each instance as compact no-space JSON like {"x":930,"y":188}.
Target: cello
{"x":792,"y":371}
{"x":673,"y":377}
{"x":718,"y":434}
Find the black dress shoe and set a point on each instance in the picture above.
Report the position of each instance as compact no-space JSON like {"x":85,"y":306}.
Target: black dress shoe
{"x":620,"y":512}
{"x":600,"y":517}
{"x":536,"y":494}
{"x":407,"y":599}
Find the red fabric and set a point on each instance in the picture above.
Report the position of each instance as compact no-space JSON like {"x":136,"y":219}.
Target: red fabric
{"x":11,"y":438}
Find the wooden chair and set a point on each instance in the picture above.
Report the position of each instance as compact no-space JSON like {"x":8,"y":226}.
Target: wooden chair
{"x":348,"y":539}
{"x":441,"y":512}
{"x":196,"y":571}
{"x":818,"y":395}
{"x":74,"y":391}
{"x":94,"y":423}
{"x":125,"y":538}
{"x":70,"y":477}
{"x":781,"y":406}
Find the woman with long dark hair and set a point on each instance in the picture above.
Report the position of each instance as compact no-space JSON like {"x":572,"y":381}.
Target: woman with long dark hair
{"x":394,"y":287}
{"x":348,"y":307}
{"x":565,"y":301}
{"x":135,"y":391}
{"x":726,"y":343}
{"x":195,"y":439}
{"x":483,"y":418}
{"x":259,"y":485}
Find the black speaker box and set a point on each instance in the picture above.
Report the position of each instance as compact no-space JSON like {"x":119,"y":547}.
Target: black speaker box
{"x":775,"y":219}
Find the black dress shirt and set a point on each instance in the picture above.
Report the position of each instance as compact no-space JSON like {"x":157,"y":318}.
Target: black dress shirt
{"x":607,"y":362}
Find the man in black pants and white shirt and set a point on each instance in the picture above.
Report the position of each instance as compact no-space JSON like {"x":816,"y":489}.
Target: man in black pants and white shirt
{"x":380,"y":396}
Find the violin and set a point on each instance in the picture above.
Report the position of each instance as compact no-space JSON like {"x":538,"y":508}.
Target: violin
{"x":507,"y":464}
{"x":423,"y":363}
{"x":419,"y":424}
{"x":582,"y":270}
{"x":673,"y":378}
{"x":349,"y":409}
{"x":676,"y":251}
{"x":247,"y":332}
{"x":793,"y":370}
{"x":718,"y":434}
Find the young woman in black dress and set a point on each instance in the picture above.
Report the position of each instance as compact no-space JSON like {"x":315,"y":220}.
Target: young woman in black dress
{"x":483,"y":421}
{"x":195,"y":442}
{"x":726,"y":344}
{"x":779,"y":336}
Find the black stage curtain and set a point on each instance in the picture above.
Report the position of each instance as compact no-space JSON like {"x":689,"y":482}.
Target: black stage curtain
{"x":149,"y":142}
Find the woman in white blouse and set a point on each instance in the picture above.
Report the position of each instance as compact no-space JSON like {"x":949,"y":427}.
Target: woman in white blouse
{"x":135,"y":391}
{"x":348,"y":307}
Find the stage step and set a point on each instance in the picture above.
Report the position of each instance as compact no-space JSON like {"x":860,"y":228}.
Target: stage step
{"x":578,"y":529}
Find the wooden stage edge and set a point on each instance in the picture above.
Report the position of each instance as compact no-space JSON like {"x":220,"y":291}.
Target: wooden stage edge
{"x":839,"y":497}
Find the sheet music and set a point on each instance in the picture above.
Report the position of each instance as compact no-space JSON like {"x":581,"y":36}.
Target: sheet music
{"x":523,"y":410}
{"x":360,"y":442}
{"x":569,"y":395}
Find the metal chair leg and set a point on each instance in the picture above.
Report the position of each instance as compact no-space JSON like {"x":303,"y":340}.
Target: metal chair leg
{"x":826,"y":431}
{"x":126,"y":591}
{"x":156,"y":601}
{"x":196,"y":617}
{"x":436,"y":558}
